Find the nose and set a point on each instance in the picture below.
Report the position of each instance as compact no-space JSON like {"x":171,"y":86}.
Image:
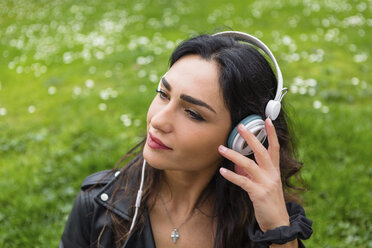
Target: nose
{"x":162,"y":119}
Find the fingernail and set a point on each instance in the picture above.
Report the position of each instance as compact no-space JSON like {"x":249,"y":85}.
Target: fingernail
{"x":242,"y":127}
{"x":269,"y":121}
{"x":223,"y":170}
{"x":222,"y":148}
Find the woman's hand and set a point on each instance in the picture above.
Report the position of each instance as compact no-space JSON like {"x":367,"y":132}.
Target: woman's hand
{"x":261,"y":180}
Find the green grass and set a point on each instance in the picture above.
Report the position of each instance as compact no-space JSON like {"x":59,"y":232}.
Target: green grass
{"x":49,"y":49}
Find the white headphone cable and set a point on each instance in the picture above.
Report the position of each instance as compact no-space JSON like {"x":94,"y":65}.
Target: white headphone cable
{"x":139,"y":196}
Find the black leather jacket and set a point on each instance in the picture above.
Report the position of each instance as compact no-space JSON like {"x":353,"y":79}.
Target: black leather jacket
{"x":89,"y":216}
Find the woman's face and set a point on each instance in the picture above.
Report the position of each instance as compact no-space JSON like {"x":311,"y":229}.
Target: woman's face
{"x":188,"y":116}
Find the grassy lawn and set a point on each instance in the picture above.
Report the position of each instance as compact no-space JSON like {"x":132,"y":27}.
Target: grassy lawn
{"x":77,"y":77}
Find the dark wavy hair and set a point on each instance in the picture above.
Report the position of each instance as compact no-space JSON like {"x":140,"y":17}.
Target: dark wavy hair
{"x":247,"y":83}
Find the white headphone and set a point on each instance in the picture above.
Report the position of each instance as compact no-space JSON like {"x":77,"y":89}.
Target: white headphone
{"x":255,"y":123}
{"x":139,"y":196}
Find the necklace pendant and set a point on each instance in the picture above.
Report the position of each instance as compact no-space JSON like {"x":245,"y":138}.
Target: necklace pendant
{"x":175,"y":235}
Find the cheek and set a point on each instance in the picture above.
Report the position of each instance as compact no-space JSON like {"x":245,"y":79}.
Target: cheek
{"x":203,"y":142}
{"x":150,"y":112}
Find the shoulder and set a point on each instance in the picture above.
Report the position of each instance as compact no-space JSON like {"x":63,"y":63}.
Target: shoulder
{"x":102,"y":178}
{"x":99,"y":179}
{"x":85,"y":220}
{"x":91,"y":188}
{"x":108,"y":190}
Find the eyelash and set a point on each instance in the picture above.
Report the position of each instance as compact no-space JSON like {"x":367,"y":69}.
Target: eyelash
{"x":194,"y":115}
{"x":191,"y":113}
{"x":162,"y":94}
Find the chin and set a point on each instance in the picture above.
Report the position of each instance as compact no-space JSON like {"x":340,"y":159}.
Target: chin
{"x":152,"y":159}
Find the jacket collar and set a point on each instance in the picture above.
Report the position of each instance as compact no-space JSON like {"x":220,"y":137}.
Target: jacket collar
{"x":141,"y":239}
{"x":118,"y":206}
{"x":121,"y":208}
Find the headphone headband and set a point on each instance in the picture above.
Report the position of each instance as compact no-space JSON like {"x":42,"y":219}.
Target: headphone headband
{"x":273,"y":107}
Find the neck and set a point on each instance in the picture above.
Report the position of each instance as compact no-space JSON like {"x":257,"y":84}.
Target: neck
{"x":181,"y":190}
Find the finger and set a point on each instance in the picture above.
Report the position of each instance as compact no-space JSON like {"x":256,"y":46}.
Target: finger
{"x":246,"y":163}
{"x":260,"y":152}
{"x":242,"y":181}
{"x":274,"y":147}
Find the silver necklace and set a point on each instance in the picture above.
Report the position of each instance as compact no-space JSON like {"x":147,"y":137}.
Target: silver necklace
{"x":175,"y":234}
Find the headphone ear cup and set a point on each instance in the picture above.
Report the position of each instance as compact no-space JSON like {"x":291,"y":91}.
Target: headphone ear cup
{"x":255,"y":125}
{"x":272,"y":109}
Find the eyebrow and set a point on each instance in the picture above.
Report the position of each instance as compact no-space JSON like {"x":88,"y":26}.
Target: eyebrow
{"x":166,"y":84}
{"x":188,"y":98}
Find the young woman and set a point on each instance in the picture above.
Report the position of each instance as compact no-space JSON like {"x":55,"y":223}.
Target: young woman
{"x":195,"y":191}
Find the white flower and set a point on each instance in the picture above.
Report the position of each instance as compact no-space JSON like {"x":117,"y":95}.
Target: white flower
{"x":67,"y":57}
{"x":99,"y":41}
{"x":302,"y":90}
{"x":113,"y":93}
{"x":361,"y":57}
{"x":317,"y":104}
{"x":137,"y":122}
{"x":102,"y":107}
{"x":99,"y":55}
{"x":355,"y":81}
{"x":108,"y":73}
{"x":143,"y":40}
{"x":77,"y":90}
{"x":169,"y":45}
{"x":142,"y":88}
{"x":52,"y":90}
{"x":144,"y":60}
{"x":287,"y":40}
{"x":325,"y":109}
{"x":153,"y":78}
{"x":31,"y":109}
{"x":126,"y":120}
{"x":158,"y":50}
{"x":362,"y":7}
{"x":104,"y":94}
{"x":352,"y":47}
{"x":89,"y":83}
{"x":312,"y":91}
{"x":142,"y":73}
{"x":311,"y":82}
{"x":353,"y":21}
{"x":2,"y":111}
{"x":19,"y":69}
{"x":303,"y":37}
{"x":11,"y":65}
{"x":107,"y":93}
{"x":294,"y":89}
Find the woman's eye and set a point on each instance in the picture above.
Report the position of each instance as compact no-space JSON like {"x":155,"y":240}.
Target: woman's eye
{"x":194,"y":115}
{"x":162,"y":94}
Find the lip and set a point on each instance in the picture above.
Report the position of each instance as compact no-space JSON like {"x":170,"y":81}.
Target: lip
{"x":156,"y":143}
